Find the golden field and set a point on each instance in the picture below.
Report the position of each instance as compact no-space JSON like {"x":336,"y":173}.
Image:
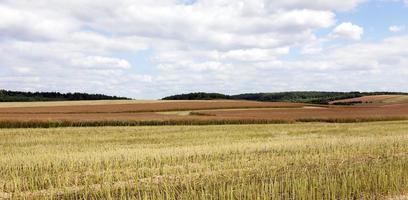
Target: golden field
{"x":275,"y":161}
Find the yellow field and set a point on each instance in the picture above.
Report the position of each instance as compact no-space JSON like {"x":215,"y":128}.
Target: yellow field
{"x":376,"y":99}
{"x":287,"y":161}
{"x":399,"y":99}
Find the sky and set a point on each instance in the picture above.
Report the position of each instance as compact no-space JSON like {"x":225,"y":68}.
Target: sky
{"x":147,"y":49}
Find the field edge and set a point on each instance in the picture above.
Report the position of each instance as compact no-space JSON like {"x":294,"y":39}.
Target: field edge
{"x":57,"y":123}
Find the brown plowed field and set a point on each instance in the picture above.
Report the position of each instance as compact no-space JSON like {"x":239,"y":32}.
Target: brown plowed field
{"x":145,"y":107}
{"x":203,"y":111}
{"x":333,"y":112}
{"x":130,"y":111}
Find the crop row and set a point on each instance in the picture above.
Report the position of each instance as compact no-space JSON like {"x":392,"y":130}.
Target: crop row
{"x":183,"y":122}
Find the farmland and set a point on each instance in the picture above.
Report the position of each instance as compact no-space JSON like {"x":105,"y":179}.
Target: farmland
{"x":127,"y":112}
{"x":279,"y":161}
{"x":203,"y":100}
{"x":376,"y":99}
{"x":147,"y":113}
{"x":247,"y":150}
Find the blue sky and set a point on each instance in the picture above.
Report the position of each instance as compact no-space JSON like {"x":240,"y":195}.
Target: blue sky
{"x":147,"y":50}
{"x":377,"y":17}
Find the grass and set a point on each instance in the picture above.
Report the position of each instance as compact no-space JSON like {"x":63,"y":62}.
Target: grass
{"x":281,"y":161}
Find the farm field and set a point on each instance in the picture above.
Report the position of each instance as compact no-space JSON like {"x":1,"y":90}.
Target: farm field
{"x":376,"y":99}
{"x":82,"y":104}
{"x":69,"y":103}
{"x":119,"y":113}
{"x":275,"y":161}
{"x":337,"y":113}
{"x":203,"y":100}
{"x":144,"y":106}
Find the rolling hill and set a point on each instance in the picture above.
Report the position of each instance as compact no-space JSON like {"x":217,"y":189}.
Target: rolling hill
{"x":374,"y":99}
{"x":314,"y":97}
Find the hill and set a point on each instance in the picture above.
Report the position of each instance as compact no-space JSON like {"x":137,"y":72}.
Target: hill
{"x":298,"y":96}
{"x":17,"y":96}
{"x":374,"y":99}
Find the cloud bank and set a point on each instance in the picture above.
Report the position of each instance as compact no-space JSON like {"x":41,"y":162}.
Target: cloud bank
{"x":148,"y":49}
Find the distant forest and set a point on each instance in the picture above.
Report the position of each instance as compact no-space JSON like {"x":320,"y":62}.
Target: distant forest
{"x":299,"y":97}
{"x":15,"y":96}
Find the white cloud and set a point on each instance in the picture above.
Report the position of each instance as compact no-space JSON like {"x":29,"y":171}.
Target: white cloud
{"x":383,"y":66}
{"x":348,"y":30}
{"x":98,"y":62}
{"x":318,"y":4}
{"x":396,"y":29}
{"x":254,"y":54}
{"x":31,"y":25}
{"x":22,"y":69}
{"x":212,"y":45}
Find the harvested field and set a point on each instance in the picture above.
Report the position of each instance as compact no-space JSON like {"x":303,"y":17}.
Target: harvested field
{"x":296,"y":161}
{"x":70,"y":103}
{"x":398,"y":99}
{"x":376,"y":99}
{"x":92,"y":102}
{"x":339,"y":112}
{"x":146,"y":107}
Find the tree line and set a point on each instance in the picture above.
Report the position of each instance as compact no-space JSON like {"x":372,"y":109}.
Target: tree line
{"x":17,"y":96}
{"x":315,"y":97}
